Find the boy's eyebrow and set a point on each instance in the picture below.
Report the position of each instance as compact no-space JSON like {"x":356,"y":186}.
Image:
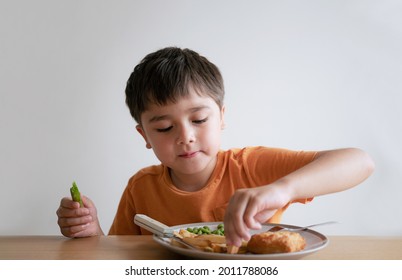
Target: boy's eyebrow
{"x":157,"y":118}
{"x":198,"y":108}
{"x":164,"y":117}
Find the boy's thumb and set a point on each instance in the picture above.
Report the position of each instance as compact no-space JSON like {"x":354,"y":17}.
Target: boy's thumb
{"x":87,"y":202}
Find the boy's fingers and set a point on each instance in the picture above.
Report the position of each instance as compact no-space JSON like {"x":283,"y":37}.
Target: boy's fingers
{"x":235,"y":228}
{"x":264,"y":215}
{"x":69,"y":222}
{"x":63,"y":212}
{"x":87,"y":202}
{"x":74,"y":231}
{"x":67,"y":202}
{"x":249,"y":216}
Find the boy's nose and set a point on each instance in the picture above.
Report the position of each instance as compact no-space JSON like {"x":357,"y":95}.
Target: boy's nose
{"x":186,"y":136}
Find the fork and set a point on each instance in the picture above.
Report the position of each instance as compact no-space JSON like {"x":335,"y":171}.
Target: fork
{"x":280,"y":228}
{"x":160,"y":230}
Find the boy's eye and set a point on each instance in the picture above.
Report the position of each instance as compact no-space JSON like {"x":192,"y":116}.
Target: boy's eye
{"x":200,"y":121}
{"x":164,"y":129}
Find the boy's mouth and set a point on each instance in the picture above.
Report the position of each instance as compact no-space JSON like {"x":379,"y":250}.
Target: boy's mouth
{"x":188,"y":154}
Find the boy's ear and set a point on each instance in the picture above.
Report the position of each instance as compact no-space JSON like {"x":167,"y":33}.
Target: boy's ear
{"x":223,"y":125}
{"x":142,"y":132}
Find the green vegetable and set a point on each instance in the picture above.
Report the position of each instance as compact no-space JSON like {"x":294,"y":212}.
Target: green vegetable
{"x":75,"y":194}
{"x":206,"y":230}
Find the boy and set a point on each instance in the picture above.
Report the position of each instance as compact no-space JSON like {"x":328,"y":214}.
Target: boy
{"x":176,"y":97}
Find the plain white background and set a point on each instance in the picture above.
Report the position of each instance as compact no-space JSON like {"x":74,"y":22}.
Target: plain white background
{"x":309,"y":75}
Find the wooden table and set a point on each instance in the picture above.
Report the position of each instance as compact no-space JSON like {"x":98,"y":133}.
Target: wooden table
{"x":145,"y":248}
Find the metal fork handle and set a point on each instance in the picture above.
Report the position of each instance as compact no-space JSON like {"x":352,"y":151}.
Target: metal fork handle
{"x":321,"y":224}
{"x":315,"y":225}
{"x":280,"y":228}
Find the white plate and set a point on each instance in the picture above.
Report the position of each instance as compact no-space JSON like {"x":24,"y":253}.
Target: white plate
{"x":314,"y":241}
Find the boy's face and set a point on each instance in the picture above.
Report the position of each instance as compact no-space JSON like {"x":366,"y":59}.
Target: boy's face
{"x":185,"y":135}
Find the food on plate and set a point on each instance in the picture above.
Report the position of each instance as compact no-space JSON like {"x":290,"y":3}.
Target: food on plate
{"x":232,"y":249}
{"x":259,"y":243}
{"x":75,"y":194}
{"x":207,"y":242}
{"x":206,"y":230}
{"x":276,"y":242}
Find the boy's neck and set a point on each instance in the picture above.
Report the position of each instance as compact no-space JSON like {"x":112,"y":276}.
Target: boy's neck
{"x":189,"y":184}
{"x":192,"y":182}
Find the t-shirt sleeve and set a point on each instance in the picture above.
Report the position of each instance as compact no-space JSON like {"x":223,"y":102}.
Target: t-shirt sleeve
{"x":267,"y":165}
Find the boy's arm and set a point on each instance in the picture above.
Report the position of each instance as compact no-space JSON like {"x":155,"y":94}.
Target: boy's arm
{"x":330,"y":172}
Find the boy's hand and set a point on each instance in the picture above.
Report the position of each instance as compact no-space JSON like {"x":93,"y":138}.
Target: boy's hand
{"x":249,"y":208}
{"x":78,"y":222}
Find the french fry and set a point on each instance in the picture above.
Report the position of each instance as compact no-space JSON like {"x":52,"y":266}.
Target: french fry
{"x":232,"y":249}
{"x":208,"y":242}
{"x":208,"y":249}
{"x":218,"y":248}
{"x":197,"y":242}
{"x":242,"y":250}
{"x":213,"y":238}
{"x":184,"y":233}
{"x":176,"y":243}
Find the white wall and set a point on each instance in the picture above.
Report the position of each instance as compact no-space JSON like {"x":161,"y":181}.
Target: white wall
{"x":298,"y":74}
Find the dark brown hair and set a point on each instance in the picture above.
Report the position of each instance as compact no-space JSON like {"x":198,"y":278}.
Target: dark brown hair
{"x":166,"y":75}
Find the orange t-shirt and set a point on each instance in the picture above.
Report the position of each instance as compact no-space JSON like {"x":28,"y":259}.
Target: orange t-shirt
{"x":151,"y":191}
